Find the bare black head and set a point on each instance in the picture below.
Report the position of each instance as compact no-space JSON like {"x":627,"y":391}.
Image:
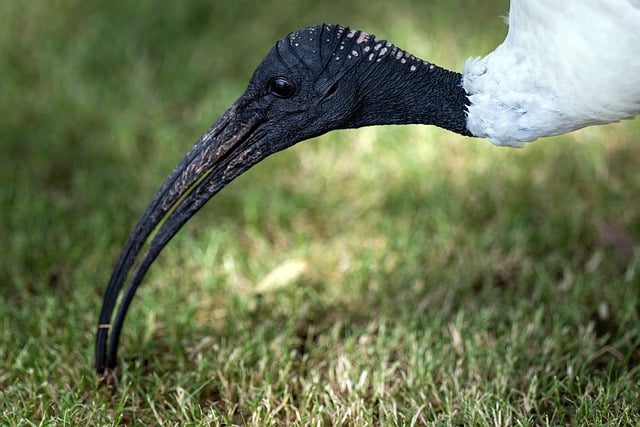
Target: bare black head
{"x":330,"y":77}
{"x":313,"y":81}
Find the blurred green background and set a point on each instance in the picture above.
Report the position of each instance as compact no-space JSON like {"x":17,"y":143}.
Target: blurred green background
{"x":507,"y":264}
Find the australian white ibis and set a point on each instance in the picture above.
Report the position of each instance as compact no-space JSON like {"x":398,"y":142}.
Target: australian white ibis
{"x":565,"y":64}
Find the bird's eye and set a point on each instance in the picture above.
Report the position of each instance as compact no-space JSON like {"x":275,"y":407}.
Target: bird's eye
{"x":281,"y":87}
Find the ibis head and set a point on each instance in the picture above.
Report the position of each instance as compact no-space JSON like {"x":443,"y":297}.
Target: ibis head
{"x":313,"y":81}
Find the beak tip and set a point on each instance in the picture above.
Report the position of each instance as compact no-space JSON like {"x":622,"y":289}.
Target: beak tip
{"x":108,"y":378}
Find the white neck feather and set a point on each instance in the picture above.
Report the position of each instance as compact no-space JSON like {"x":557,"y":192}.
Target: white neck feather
{"x":564,"y":65}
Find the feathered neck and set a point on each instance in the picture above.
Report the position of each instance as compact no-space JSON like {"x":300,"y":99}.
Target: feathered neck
{"x":563,"y":66}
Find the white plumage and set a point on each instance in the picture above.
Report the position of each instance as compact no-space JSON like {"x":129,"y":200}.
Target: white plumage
{"x":564,"y":65}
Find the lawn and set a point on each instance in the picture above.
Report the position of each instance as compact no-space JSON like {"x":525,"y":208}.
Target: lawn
{"x":381,"y":276}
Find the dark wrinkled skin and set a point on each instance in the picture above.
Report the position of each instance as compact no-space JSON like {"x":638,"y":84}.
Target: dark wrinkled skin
{"x":313,"y":81}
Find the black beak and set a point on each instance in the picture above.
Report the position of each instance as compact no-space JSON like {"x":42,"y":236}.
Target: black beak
{"x":230,"y":147}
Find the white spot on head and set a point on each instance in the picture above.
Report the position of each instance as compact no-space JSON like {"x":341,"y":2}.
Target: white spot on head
{"x":431,"y":66}
{"x":404,"y":61}
{"x":376,"y":47}
{"x":351,"y":34}
{"x":367,"y":48}
{"x":413,"y":68}
{"x":354,"y":52}
{"x":399,"y":54}
{"x":383,"y":51}
{"x":363,"y":37}
{"x":371,"y":57}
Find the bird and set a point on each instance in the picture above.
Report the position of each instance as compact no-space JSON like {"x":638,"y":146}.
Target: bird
{"x":563,"y":65}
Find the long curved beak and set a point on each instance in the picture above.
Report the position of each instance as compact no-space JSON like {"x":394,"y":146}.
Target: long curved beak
{"x":223,"y":153}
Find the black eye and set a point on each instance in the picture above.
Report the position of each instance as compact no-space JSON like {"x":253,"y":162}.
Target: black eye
{"x":281,"y":87}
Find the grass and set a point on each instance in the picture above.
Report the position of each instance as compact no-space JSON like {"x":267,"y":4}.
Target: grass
{"x":384,"y":276}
